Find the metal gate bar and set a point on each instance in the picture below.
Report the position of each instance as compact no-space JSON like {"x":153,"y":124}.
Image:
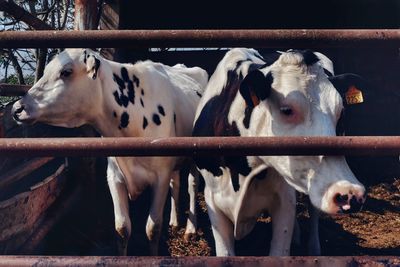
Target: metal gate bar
{"x":201,"y":146}
{"x":13,"y":89}
{"x":198,"y":261}
{"x":201,"y":38}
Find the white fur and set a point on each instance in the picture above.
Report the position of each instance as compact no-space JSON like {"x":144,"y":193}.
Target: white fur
{"x":79,"y":99}
{"x":317,"y":105}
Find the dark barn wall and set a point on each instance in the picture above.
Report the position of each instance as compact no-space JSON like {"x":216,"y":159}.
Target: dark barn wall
{"x":261,"y":15}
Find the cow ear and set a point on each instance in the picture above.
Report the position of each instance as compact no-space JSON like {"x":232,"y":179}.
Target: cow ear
{"x":350,"y":86}
{"x":256,"y":87}
{"x":92,"y":64}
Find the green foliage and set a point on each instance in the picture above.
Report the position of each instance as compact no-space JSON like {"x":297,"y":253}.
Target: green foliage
{"x":12,"y":79}
{"x":4,"y":100}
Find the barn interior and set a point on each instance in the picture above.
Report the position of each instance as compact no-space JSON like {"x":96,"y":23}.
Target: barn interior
{"x":86,"y":227}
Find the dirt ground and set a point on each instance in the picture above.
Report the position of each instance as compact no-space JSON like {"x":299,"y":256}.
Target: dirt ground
{"x":373,"y":231}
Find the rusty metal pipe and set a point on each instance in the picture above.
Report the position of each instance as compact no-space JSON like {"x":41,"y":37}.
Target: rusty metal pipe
{"x":200,"y":146}
{"x":198,"y":261}
{"x":13,"y":89}
{"x":201,"y":38}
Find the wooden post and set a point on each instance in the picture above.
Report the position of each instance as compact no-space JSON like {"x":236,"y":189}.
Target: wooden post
{"x":86,"y":15}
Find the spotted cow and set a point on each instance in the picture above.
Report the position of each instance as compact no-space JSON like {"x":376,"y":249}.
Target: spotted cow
{"x":290,"y":97}
{"x":146,"y":99}
{"x":342,"y":83}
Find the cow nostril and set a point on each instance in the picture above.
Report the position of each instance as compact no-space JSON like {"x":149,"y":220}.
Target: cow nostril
{"x":340,"y":199}
{"x":355,"y":205}
{"x":19,"y":109}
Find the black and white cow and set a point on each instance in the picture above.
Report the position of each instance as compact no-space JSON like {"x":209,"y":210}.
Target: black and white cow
{"x":146,"y":99}
{"x":291,"y":97}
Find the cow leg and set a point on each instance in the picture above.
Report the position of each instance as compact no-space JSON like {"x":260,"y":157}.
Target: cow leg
{"x":313,"y":244}
{"x":174,"y":186}
{"x":155,"y":219}
{"x":120,"y":199}
{"x":191,"y":224}
{"x":296,"y":233}
{"x":283,"y":213}
{"x":222,"y":228}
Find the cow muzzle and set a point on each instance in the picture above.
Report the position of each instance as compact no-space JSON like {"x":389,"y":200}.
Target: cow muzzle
{"x":20,"y":114}
{"x":343,"y":197}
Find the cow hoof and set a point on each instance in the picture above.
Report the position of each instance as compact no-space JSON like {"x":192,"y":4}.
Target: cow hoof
{"x":174,"y":228}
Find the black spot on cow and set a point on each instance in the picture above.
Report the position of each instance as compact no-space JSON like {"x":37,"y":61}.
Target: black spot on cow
{"x":136,"y":80}
{"x":141,"y":102}
{"x":156,"y":119}
{"x":124,"y":120}
{"x":270,"y":58}
{"x":96,"y":64}
{"x":124,"y":100}
{"x":309,"y":58}
{"x":117,"y":98}
{"x":235,"y":180}
{"x":247,"y":116}
{"x":114,"y":114}
{"x":84,"y":56}
{"x":145,"y":123}
{"x":131,"y":92}
{"x":161,"y":110}
{"x":328,"y":73}
{"x":199,"y":95}
{"x":124,"y":74}
{"x":240,"y":62}
{"x":256,"y":87}
{"x":119,"y":81}
{"x":213,"y":121}
{"x":142,"y":91}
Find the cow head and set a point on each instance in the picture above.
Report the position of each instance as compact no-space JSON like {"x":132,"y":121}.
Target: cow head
{"x":294,"y":97}
{"x":66,"y":94}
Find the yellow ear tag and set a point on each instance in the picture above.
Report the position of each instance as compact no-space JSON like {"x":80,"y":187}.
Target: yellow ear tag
{"x":354,"y":96}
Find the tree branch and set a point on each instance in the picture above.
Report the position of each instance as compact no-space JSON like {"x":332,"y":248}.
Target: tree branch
{"x":16,"y":66}
{"x":65,"y":16}
{"x":85,"y":14}
{"x":24,"y":60}
{"x":21,"y":14}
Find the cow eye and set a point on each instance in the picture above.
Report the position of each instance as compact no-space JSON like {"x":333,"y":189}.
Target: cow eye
{"x":287,"y":111}
{"x":65,"y":73}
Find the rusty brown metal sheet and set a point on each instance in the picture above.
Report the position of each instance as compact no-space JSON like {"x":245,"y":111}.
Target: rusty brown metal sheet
{"x":201,"y":146}
{"x":64,"y":202}
{"x":201,"y":38}
{"x":21,"y":214}
{"x":13,"y":175}
{"x":198,"y":261}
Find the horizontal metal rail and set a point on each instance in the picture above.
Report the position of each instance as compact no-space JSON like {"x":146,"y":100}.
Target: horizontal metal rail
{"x":201,"y":38}
{"x":200,"y":146}
{"x":198,"y":261}
{"x":13,"y":89}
